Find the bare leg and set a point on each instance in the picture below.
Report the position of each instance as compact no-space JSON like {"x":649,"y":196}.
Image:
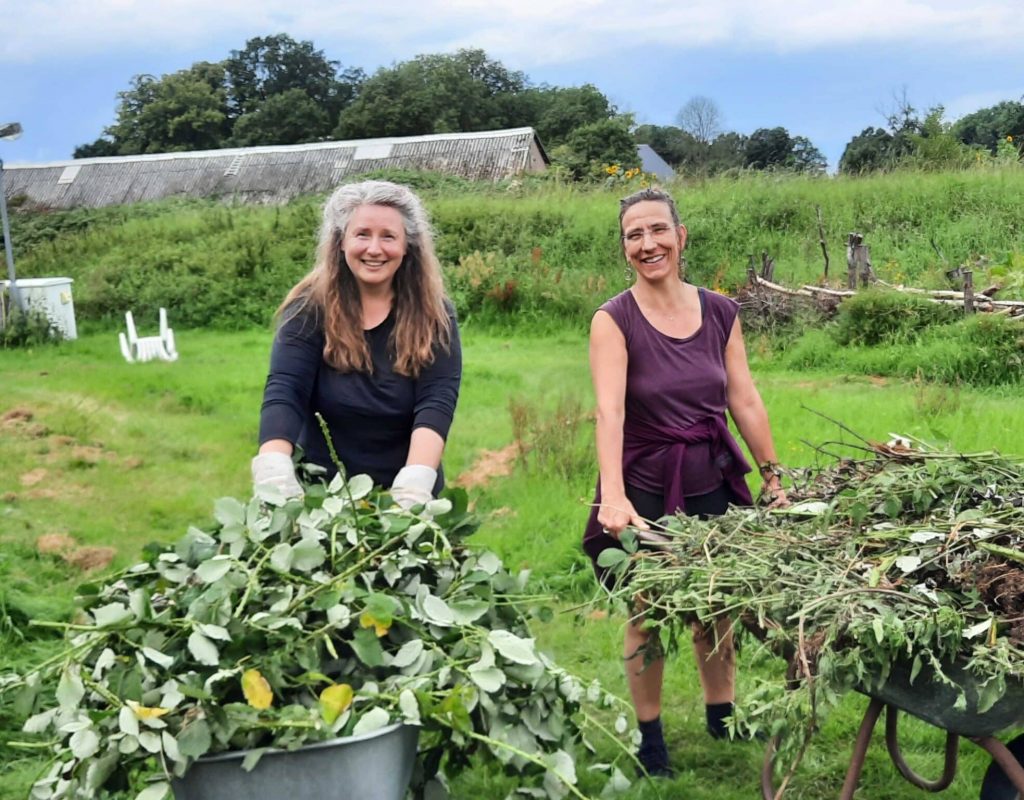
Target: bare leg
{"x":644,"y":681}
{"x":716,"y":662}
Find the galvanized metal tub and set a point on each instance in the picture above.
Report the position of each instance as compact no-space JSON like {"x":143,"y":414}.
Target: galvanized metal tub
{"x":372,"y":766}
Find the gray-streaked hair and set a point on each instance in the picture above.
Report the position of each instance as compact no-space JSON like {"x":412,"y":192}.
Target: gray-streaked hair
{"x":652,"y":194}
{"x":421,"y":319}
{"x":341,"y":205}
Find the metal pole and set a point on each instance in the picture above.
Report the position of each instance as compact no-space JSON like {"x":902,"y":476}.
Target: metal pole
{"x":15,"y":292}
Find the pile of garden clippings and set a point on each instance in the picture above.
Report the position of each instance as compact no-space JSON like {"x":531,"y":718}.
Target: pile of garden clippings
{"x":898,"y":556}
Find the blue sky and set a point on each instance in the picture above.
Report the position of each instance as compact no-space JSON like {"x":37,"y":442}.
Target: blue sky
{"x":824,"y":71}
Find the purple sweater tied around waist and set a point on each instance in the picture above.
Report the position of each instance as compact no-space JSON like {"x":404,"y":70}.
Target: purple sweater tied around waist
{"x":639,"y":437}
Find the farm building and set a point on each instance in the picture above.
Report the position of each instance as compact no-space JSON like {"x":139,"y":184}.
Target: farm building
{"x":653,"y":163}
{"x":270,"y":173}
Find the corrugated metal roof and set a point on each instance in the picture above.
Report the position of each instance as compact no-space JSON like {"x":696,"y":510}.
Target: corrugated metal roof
{"x":268,"y":173}
{"x":651,"y":162}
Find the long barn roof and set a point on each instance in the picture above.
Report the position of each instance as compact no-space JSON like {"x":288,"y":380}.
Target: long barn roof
{"x":268,"y":174}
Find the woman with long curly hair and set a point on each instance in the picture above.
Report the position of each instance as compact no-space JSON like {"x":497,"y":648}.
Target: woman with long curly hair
{"x":368,"y":340}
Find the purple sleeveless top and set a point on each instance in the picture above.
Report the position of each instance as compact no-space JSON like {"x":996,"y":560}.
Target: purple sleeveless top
{"x":674,"y":383}
{"x":675,"y":439}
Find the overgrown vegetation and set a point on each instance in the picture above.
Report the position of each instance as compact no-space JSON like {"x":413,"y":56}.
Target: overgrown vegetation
{"x":886,"y":335}
{"x":526,"y":251}
{"x":293,"y":622}
{"x":901,"y":571}
{"x":25,"y":328}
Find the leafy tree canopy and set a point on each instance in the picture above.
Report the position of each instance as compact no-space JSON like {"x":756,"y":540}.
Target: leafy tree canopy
{"x":441,"y":93}
{"x":989,"y":126}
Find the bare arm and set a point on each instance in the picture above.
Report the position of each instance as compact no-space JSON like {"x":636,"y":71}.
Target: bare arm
{"x":608,"y":361}
{"x":277,"y":446}
{"x":425,"y":447}
{"x":748,"y":412}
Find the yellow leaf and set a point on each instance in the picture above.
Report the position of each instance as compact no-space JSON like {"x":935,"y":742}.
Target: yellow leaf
{"x":144,"y":712}
{"x":256,"y":690}
{"x":334,"y":700}
{"x":367,"y":620}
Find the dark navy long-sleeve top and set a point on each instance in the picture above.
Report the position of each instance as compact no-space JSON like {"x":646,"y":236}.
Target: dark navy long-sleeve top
{"x":371,"y":417}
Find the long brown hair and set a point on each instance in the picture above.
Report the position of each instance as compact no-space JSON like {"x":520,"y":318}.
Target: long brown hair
{"x":421,"y":318}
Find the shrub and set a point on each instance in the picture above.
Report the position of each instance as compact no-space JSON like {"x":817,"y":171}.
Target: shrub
{"x":878,"y":317}
{"x":27,"y":329}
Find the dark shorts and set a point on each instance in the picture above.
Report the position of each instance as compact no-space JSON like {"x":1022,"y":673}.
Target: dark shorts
{"x":651,"y":506}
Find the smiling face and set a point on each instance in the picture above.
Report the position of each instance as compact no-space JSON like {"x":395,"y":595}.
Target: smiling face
{"x":374,"y":245}
{"x":651,"y":240}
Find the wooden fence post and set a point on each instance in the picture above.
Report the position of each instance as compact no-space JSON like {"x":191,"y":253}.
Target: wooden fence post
{"x":851,"y":263}
{"x":968,"y":291}
{"x":821,"y":241}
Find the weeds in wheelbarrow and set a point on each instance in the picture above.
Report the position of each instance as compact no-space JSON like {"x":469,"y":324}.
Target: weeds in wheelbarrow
{"x":902,"y":559}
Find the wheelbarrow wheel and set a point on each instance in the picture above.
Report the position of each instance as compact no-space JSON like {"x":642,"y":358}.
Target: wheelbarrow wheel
{"x":997,"y":786}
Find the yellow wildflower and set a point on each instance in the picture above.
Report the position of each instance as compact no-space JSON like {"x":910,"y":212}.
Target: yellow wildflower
{"x":1009,"y":138}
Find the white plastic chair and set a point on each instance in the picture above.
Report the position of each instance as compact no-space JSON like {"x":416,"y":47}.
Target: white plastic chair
{"x":147,"y":348}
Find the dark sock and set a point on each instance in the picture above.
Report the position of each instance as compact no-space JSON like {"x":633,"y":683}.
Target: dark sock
{"x":716,"y":714}
{"x":653,"y":753}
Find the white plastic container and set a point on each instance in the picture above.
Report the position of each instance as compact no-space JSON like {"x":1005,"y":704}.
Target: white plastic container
{"x":52,"y":296}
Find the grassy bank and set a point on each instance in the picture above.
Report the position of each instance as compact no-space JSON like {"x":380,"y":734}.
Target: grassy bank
{"x":533,"y":256}
{"x":116,"y":455}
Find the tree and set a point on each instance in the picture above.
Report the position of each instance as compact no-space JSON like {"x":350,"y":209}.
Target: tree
{"x":591,"y":146}
{"x":805,"y":157}
{"x":936,"y":147}
{"x":103,"y":146}
{"x":700,"y":118}
{"x":767,"y":148}
{"x":556,"y":111}
{"x":679,"y":148}
{"x":272,"y":65}
{"x":290,"y":117}
{"x":727,"y":151}
{"x":871,"y":150}
{"x":185,"y":110}
{"x":987,"y":127}
{"x":464,"y":91}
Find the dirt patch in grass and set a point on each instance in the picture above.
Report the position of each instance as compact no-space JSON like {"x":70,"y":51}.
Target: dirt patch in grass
{"x":90,"y":558}
{"x":81,"y":557}
{"x":55,"y":543}
{"x":490,"y":464}
{"x":19,"y":421}
{"x":33,"y":477}
{"x":15,"y":416}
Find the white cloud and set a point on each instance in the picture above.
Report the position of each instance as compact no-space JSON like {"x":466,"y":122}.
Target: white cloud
{"x":525,"y":32}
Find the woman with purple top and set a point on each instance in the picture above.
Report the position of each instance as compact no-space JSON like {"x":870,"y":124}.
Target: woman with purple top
{"x":667,"y":360}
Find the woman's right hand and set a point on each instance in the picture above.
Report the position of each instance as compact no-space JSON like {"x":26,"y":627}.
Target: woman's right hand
{"x":618,"y":514}
{"x":276,"y":469}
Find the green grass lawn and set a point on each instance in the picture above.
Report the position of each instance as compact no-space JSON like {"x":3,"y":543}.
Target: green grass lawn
{"x":115,"y":455}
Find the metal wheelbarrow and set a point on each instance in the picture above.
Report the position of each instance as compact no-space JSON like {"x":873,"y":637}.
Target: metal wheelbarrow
{"x":933,"y":701}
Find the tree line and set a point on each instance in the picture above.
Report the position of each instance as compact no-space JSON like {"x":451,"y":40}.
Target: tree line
{"x":931,"y":142}
{"x":277,"y":90}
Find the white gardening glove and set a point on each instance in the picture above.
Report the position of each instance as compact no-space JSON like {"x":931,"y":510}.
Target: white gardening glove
{"x":414,"y":485}
{"x":277,"y":470}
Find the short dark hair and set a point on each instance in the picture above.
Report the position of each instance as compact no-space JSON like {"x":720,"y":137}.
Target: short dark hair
{"x":653,"y":194}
